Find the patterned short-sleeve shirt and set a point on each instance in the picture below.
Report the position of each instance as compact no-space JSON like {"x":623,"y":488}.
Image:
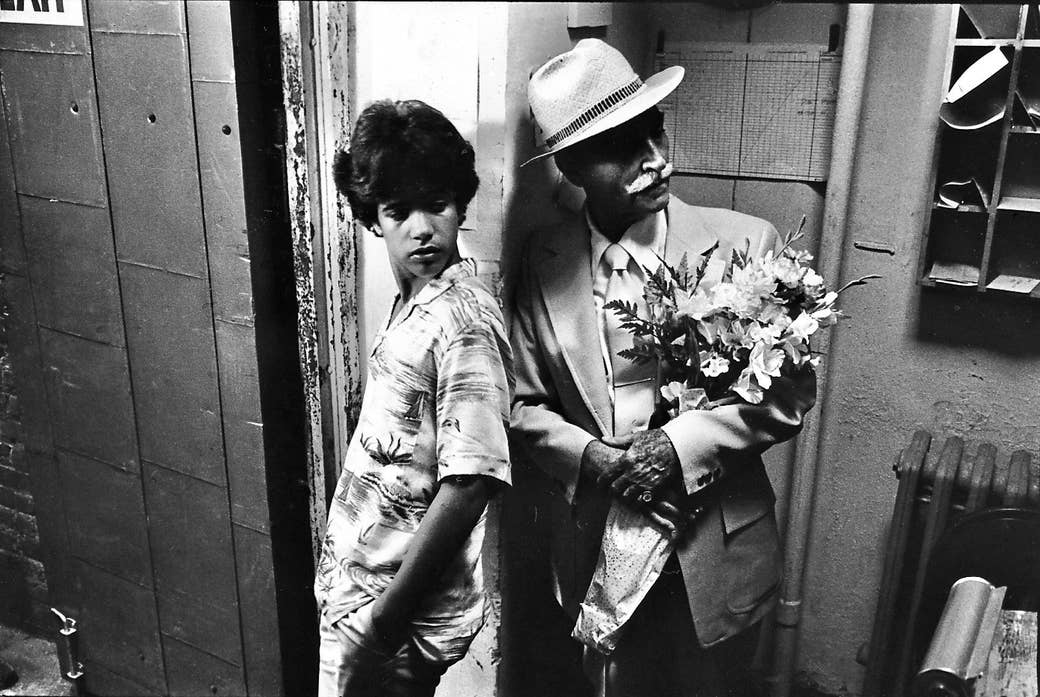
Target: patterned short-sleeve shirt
{"x":436,"y":405}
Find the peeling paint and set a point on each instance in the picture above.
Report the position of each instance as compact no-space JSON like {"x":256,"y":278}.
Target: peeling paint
{"x":302,"y":235}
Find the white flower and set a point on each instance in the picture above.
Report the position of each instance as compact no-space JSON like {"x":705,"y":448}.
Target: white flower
{"x":787,"y":271}
{"x":747,"y":388}
{"x":672,"y":390}
{"x":765,"y":333}
{"x":695,"y":306}
{"x":765,"y":362}
{"x":710,"y":329}
{"x":775,"y":314}
{"x":804,"y":326}
{"x":811,"y":279}
{"x":737,"y":335}
{"x":715,"y":365}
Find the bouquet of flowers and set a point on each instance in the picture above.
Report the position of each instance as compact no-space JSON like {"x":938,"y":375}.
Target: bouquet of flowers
{"x":712,"y":346}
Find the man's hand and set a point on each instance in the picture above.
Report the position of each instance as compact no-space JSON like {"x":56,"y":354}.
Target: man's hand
{"x":629,"y":474}
{"x":650,"y":464}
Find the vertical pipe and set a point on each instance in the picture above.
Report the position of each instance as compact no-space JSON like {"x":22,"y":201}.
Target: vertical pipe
{"x":832,"y":244}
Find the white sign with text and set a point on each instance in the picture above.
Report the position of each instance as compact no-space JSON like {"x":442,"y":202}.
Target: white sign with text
{"x":64,"y":12}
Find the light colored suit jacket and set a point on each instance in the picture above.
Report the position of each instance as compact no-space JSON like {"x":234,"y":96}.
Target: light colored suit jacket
{"x":730,"y":558}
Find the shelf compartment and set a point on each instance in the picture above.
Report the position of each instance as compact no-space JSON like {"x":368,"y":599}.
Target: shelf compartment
{"x":955,"y":244}
{"x":1014,"y":264}
{"x":977,"y":91}
{"x":988,"y":21}
{"x":964,"y":155}
{"x":1032,"y":29}
{"x":1026,"y":111}
{"x":1021,"y":168}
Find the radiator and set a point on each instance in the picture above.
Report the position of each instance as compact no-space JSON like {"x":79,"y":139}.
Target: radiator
{"x":933,"y":492}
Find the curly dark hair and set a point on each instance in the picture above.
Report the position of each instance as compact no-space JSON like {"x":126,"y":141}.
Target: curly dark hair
{"x":404,"y":151}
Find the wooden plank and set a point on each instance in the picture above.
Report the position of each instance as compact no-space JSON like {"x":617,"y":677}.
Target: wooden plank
{"x":45,"y":38}
{"x":209,"y":42}
{"x":13,"y":258}
{"x":99,"y":680}
{"x":88,"y":388}
{"x":55,"y":138}
{"x":257,"y":594}
{"x":193,"y":672}
{"x":1011,"y":669}
{"x":118,"y":626}
{"x":145,"y":104}
{"x":152,"y":17}
{"x":104,"y":510}
{"x":220,"y":171}
{"x":73,"y":267}
{"x":24,"y":352}
{"x":201,"y":624}
{"x":190,"y":534}
{"x":243,"y":425}
{"x":172,"y":355}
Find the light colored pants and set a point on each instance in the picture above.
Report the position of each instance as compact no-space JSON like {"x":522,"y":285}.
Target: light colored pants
{"x":349,"y":668}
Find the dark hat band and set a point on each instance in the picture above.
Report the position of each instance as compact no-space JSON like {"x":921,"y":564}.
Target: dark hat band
{"x":594,"y":111}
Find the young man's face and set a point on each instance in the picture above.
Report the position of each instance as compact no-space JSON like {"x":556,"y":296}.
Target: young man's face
{"x":611,"y":164}
{"x":421,"y":239}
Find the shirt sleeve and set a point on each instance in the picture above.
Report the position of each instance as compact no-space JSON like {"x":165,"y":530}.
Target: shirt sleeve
{"x":474,"y":391}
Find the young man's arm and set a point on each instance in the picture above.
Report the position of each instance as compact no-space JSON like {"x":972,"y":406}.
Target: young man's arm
{"x":444,"y":530}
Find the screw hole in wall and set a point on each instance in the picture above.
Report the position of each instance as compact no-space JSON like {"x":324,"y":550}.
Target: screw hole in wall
{"x":225,"y":129}
{"x":151,"y":118}
{"x":74,"y":108}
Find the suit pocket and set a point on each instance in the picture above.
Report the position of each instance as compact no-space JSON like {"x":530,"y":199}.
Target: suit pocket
{"x":747,"y":500}
{"x":753,"y":597}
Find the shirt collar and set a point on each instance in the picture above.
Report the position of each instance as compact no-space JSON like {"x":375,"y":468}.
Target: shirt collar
{"x":644,"y":240}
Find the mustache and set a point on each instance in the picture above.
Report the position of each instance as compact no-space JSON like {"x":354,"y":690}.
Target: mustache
{"x":648,"y":179}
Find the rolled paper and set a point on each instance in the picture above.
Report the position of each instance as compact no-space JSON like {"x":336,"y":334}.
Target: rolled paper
{"x":960,"y":646}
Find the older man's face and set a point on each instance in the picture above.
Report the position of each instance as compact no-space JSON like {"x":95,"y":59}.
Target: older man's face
{"x":621,"y":170}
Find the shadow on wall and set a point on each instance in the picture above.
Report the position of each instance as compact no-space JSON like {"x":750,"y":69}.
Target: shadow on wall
{"x":967,"y":319}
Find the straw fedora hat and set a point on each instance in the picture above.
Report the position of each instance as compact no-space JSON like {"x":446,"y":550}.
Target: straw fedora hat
{"x":591,"y":89}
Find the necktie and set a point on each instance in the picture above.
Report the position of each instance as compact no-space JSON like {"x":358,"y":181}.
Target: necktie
{"x":633,"y":382}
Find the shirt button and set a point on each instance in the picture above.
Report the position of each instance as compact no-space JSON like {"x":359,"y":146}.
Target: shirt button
{"x":698,"y":512}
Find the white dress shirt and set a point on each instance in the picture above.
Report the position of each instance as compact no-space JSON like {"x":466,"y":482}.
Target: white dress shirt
{"x":644,"y":240}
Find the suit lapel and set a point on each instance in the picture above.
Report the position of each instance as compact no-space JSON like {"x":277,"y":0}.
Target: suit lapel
{"x":566,"y":281}
{"x":690,"y":234}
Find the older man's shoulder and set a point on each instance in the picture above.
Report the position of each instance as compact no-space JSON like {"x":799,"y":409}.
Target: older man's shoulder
{"x":723,"y":218}
{"x":728,"y":226}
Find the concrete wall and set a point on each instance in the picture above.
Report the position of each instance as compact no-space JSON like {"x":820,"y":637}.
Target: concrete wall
{"x":907,"y":357}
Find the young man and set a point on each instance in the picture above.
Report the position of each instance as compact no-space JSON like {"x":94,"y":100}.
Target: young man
{"x":399,"y":583}
{"x":580,"y":411}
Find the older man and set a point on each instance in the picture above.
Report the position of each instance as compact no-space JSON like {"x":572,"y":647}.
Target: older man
{"x":580,"y":412}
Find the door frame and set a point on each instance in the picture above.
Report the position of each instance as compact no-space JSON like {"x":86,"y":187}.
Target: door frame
{"x":318,"y":109}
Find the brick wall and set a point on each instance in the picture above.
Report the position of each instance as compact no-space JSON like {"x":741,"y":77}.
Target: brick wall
{"x":23,"y":602}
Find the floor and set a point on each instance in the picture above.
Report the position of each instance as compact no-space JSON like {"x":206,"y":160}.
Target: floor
{"x":36,"y":662}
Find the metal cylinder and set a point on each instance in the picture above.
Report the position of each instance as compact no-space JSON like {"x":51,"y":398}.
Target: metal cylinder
{"x":68,"y":648}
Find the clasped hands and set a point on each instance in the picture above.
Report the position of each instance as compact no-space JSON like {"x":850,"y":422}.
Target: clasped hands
{"x":642,"y":470}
